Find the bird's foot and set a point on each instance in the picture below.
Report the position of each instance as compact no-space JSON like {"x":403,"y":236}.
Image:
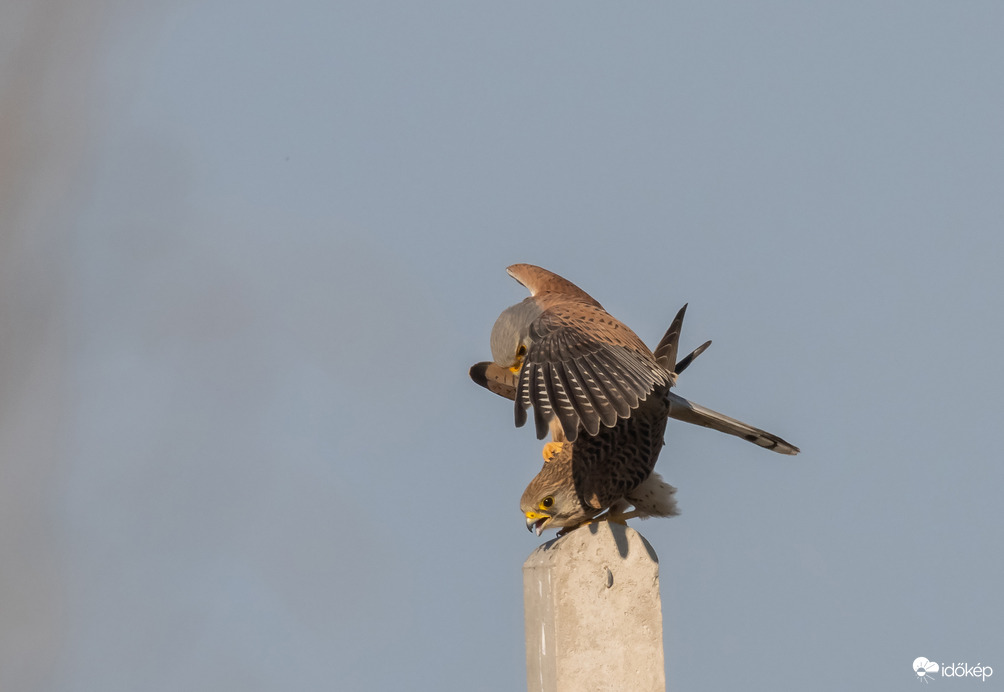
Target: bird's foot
{"x":551,"y":450}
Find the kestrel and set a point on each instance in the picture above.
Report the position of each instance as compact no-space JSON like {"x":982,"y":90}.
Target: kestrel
{"x":581,"y":369}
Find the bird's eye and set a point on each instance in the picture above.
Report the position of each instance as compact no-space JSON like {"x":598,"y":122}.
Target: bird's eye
{"x":546,"y":502}
{"x":521,"y":351}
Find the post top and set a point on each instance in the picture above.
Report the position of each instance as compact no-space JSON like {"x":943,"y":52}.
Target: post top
{"x":605,"y":539}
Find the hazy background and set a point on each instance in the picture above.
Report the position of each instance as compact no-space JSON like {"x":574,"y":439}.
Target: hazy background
{"x":248,"y":251}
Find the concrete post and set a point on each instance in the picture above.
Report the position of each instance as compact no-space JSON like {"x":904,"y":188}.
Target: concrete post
{"x":593,"y":613}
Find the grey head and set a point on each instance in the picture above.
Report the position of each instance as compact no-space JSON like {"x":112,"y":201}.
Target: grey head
{"x":511,"y":333}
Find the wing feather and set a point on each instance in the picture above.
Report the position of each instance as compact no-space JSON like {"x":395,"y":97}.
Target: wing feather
{"x":604,"y":389}
{"x":588,"y":392}
{"x":584,"y":368}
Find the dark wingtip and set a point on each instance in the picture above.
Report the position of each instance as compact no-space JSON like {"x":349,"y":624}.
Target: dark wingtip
{"x":665,"y":352}
{"x":478,"y":373}
{"x":520,"y":415}
{"x":687,"y":360}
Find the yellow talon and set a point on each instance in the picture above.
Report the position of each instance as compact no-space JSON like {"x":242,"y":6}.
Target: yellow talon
{"x":551,"y":450}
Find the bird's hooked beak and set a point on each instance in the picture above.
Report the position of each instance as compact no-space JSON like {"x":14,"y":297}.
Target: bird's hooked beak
{"x":535,"y":521}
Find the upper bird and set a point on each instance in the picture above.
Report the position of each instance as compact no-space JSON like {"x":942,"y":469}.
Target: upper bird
{"x":577,"y":365}
{"x":580,"y":368}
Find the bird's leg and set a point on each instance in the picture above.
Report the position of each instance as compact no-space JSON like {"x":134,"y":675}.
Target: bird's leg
{"x":587,"y":522}
{"x":551,"y":450}
{"x":622,"y":518}
{"x":617,"y":514}
{"x":565,"y":530}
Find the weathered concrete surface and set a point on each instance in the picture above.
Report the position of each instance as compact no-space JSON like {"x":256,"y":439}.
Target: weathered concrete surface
{"x":593,"y":613}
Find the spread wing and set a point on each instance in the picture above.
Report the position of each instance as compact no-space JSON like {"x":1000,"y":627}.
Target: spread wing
{"x":584,"y":368}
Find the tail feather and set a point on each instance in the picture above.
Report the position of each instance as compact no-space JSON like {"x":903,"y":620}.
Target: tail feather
{"x":689,"y":358}
{"x":665,"y":353}
{"x":654,"y":498}
{"x":689,"y":412}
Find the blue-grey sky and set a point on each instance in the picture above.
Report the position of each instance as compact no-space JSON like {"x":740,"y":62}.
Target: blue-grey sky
{"x":240,"y":449}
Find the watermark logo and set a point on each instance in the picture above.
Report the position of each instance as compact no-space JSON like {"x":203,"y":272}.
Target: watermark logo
{"x":924,"y":668}
{"x":929,"y":670}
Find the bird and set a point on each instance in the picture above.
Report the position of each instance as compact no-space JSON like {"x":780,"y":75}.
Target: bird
{"x":584,"y":373}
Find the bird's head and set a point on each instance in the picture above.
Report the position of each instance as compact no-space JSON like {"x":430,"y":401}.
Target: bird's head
{"x":551,"y":506}
{"x":511,"y":334}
